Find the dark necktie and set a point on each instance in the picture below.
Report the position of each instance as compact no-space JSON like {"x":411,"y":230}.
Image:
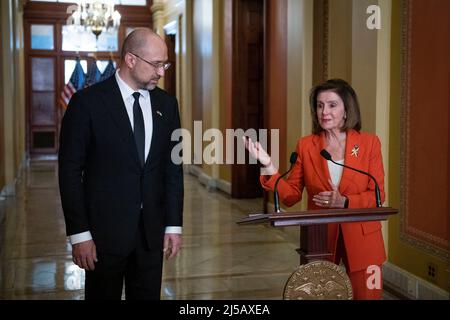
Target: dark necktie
{"x":139,"y":129}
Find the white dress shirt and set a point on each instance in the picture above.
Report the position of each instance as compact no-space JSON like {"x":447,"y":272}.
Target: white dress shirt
{"x":146,"y":107}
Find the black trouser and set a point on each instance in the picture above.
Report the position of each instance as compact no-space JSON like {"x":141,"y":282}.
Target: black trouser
{"x":141,"y":269}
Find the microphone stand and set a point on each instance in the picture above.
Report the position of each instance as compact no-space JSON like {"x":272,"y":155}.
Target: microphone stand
{"x":276,"y":200}
{"x":324,"y":153}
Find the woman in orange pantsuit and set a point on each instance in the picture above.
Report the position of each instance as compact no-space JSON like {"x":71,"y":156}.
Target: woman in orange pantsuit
{"x":336,"y":128}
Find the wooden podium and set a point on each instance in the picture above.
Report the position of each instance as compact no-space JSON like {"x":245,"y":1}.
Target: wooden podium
{"x":313,"y":226}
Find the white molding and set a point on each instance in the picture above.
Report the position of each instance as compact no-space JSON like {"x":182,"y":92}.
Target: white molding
{"x":9,"y":190}
{"x":224,"y":186}
{"x":209,"y":182}
{"x":23,"y":166}
{"x":410,"y":285}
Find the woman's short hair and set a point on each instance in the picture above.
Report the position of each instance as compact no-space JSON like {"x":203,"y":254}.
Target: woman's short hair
{"x":348,"y":96}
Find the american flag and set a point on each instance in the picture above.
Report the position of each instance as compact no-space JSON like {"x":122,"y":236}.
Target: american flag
{"x":76,"y":82}
{"x":93,"y":75}
{"x":109,"y":71}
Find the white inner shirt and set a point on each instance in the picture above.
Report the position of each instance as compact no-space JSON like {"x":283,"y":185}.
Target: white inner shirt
{"x":335,"y":171}
{"x":146,"y":107}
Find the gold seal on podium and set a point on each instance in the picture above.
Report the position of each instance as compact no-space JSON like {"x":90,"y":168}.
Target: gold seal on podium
{"x":318,"y":280}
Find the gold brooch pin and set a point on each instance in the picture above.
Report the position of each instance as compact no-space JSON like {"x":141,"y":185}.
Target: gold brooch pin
{"x":355,"y":151}
{"x":159,"y":113}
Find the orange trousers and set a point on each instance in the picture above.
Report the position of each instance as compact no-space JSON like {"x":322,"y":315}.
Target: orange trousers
{"x":361,"y":290}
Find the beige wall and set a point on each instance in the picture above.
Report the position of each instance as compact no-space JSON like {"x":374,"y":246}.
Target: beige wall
{"x":2,"y":147}
{"x":299,"y":75}
{"x":202,"y":78}
{"x":8,"y":91}
{"x":364,"y":63}
{"x":382,"y":97}
{"x":180,"y":12}
{"x":19,"y":97}
{"x":226,"y":51}
{"x":12,"y":131}
{"x":360,"y":55}
{"x":340,"y":39}
{"x":199,"y":75}
{"x":207,"y":39}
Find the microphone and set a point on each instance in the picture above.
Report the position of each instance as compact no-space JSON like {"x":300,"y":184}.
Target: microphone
{"x":324,"y":153}
{"x":276,"y":200}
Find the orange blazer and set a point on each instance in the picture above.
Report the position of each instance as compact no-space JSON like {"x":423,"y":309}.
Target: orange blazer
{"x":363,"y":241}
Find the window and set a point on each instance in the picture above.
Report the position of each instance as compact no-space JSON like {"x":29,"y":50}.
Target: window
{"x":73,"y":40}
{"x":120,"y":2}
{"x":69,"y":66}
{"x":42,"y":37}
{"x":102,"y":64}
{"x":62,"y":1}
{"x":131,"y":2}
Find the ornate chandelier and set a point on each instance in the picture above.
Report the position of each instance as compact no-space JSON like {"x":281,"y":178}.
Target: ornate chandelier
{"x":96,"y":16}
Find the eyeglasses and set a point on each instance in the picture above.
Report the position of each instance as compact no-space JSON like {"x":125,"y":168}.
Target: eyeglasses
{"x":156,"y":65}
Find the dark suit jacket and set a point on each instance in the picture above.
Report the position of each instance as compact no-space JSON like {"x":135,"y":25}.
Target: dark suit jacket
{"x":102,"y":183}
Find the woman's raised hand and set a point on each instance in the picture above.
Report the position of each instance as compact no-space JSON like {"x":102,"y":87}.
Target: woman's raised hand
{"x":257,"y":151}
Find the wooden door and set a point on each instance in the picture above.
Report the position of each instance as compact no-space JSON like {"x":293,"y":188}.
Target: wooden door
{"x":248,"y":84}
{"x":170,"y":82}
{"x":43,"y":112}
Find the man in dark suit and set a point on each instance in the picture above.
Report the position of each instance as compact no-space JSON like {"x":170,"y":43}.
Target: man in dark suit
{"x":122,"y":195}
